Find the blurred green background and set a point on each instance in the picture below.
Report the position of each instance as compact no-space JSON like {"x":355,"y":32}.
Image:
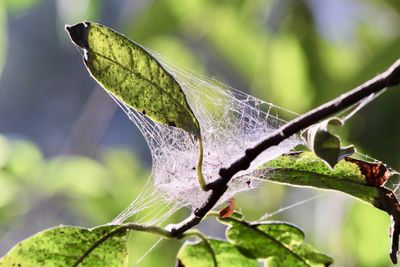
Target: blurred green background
{"x":69,"y":156}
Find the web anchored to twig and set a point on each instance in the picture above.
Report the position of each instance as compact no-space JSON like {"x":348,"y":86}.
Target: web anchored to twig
{"x":230,"y":122}
{"x":389,"y":78}
{"x":199,"y":127}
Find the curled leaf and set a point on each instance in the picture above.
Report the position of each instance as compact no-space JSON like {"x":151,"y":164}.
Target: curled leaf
{"x":326,"y":145}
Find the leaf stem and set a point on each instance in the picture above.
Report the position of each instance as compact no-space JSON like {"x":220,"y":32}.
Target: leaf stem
{"x":199,"y":169}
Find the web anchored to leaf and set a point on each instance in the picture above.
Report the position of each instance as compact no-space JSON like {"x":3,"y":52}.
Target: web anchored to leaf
{"x":198,"y":130}
{"x":194,"y":126}
{"x":230,"y":121}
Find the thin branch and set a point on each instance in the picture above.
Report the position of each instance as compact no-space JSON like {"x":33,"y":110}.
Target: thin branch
{"x":130,"y":226}
{"x":389,"y":78}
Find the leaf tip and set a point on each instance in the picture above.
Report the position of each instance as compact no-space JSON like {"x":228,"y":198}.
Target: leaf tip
{"x":79,"y":34}
{"x":342,"y":153}
{"x":179,"y":263}
{"x":393,"y":257}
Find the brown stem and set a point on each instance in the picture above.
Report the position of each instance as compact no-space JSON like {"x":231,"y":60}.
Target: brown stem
{"x":389,"y":78}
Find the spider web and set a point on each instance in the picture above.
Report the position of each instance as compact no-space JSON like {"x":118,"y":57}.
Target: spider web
{"x":231,"y":121}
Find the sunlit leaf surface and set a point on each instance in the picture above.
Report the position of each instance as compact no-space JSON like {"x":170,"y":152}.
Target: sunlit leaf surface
{"x":196,"y":255}
{"x":133,"y":76}
{"x":276,"y":243}
{"x":354,"y":177}
{"x":281,"y":241}
{"x":62,"y":246}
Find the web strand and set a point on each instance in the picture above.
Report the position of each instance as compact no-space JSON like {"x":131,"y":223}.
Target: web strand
{"x":231,"y":121}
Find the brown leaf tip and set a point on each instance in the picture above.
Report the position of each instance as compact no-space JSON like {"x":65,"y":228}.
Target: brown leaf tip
{"x":376,"y":174}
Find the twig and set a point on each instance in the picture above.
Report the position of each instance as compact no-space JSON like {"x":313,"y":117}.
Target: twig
{"x":389,"y":78}
{"x":131,"y":226}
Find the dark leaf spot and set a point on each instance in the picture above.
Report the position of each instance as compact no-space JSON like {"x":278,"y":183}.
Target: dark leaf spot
{"x":375,"y":174}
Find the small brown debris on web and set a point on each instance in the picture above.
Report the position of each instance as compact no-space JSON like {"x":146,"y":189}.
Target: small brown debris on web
{"x":228,"y":210}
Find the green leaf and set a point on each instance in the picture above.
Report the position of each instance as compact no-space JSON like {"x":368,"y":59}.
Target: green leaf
{"x":196,"y":254}
{"x":305,"y":169}
{"x":278,"y":240}
{"x":133,"y":76}
{"x":128,"y":72}
{"x":326,"y":145}
{"x":64,"y":245}
{"x":360,"y":179}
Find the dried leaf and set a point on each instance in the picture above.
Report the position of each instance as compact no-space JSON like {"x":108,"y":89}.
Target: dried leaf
{"x":376,"y":174}
{"x":228,"y":210}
